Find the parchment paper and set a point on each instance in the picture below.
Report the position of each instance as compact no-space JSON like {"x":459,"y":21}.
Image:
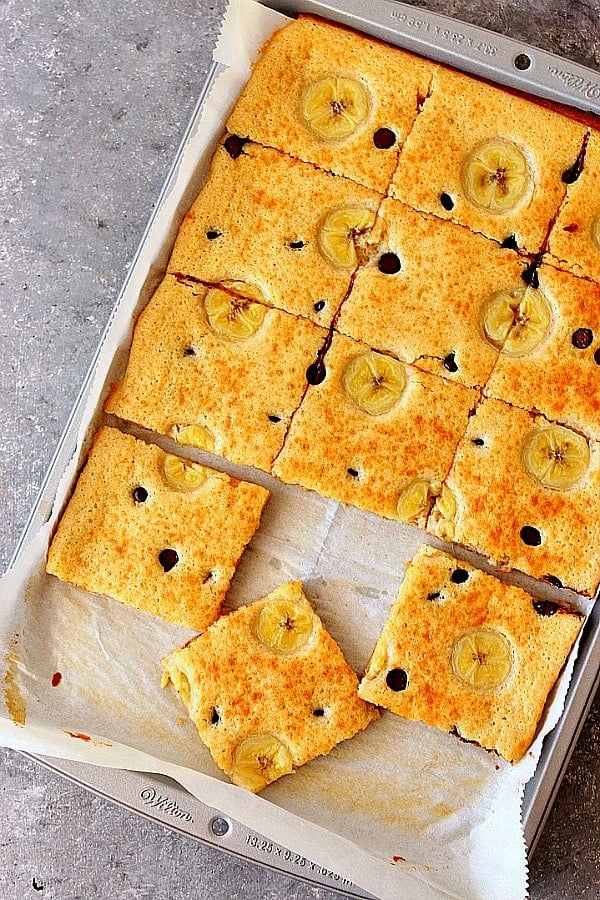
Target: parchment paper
{"x":402,"y":810}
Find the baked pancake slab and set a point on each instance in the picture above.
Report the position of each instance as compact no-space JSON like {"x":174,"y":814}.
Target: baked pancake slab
{"x":154,"y":531}
{"x":488,"y":159}
{"x":468,"y":654}
{"x":575,"y":238}
{"x":270,"y":227}
{"x":559,"y":377}
{"x":375,"y":433}
{"x":268,"y":688}
{"x":428,"y":312}
{"x":525,"y":492}
{"x":231,"y":369}
{"x":327,"y":95}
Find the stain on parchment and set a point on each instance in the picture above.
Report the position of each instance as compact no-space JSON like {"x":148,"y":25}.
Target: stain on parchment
{"x":14,"y":700}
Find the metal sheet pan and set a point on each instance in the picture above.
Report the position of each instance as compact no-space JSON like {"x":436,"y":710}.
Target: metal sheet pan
{"x":499,"y":59}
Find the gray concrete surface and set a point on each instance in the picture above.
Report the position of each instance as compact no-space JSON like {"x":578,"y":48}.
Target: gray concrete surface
{"x":97,"y":97}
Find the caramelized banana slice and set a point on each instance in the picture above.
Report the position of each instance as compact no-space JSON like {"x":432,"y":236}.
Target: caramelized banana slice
{"x":284,"y":627}
{"x":516,"y":320}
{"x":194,"y":436}
{"x":443,"y":517}
{"x":233,"y":318}
{"x":182,"y":474}
{"x":340,"y":232}
{"x":416,"y":499}
{"x":374,"y":382}
{"x":483,"y":659}
{"x":496,"y":176}
{"x":259,"y":760}
{"x":335,"y":106}
{"x":556,"y":457}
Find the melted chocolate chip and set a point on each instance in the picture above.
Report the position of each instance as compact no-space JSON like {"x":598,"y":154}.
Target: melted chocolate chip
{"x":389,"y":264}
{"x":397,"y":680}
{"x":296,"y":245}
{"x":215,"y":718}
{"x":531,"y":536}
{"x":384,"y":138}
{"x":552,"y":579}
{"x":459,"y":576}
{"x":319,"y":305}
{"x":213,"y":235}
{"x":597,"y":357}
{"x":450,"y":363}
{"x":168,"y":558}
{"x":275,"y":419}
{"x":570,"y":175}
{"x":530,"y":274}
{"x":140,"y":494}
{"x":189,"y":351}
{"x":318,"y":712}
{"x":434,"y":596}
{"x":234,"y":145}
{"x":316,"y":372}
{"x":479,"y":442}
{"x":510,"y":243}
{"x":447,"y":201}
{"x":353,"y":472}
{"x":582,"y":338}
{"x":545,"y":607}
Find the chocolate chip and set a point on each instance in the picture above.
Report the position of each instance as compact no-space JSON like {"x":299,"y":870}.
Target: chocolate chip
{"x":319,"y":305}
{"x":531,"y":536}
{"x":189,"y":351}
{"x":545,"y":607}
{"x":168,"y":558}
{"x":582,"y":338}
{"x":434,"y":596}
{"x":316,"y":372}
{"x":215,"y":718}
{"x":479,"y":442}
{"x":552,"y":579}
{"x":140,"y":494}
{"x":207,"y":577}
{"x":397,"y":680}
{"x":530,"y":275}
{"x":234,"y":145}
{"x":296,"y":245}
{"x":450,"y":363}
{"x":597,"y":357}
{"x":384,"y":138}
{"x":447,"y":201}
{"x":510,"y":243}
{"x":459,"y":576}
{"x":213,"y":235}
{"x":318,"y":712}
{"x":389,"y":264}
{"x":275,"y":419}
{"x":353,"y":472}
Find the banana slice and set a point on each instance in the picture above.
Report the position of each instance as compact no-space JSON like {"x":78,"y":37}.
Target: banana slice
{"x":443,"y":517}
{"x":333,"y":107}
{"x":284,"y":627}
{"x":259,"y":760}
{"x":516,"y":320}
{"x":416,"y":499}
{"x":496,"y":176}
{"x":194,"y":436}
{"x":556,"y":456}
{"x":374,"y":382}
{"x":340,"y":233}
{"x":596,"y":230}
{"x":233,"y":318}
{"x":483,"y":659}
{"x":182,"y":474}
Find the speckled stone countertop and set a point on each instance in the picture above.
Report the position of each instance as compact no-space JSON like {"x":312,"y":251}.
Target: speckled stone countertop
{"x":97,"y":97}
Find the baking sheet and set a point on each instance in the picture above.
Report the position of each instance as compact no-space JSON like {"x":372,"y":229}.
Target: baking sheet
{"x":409,"y":792}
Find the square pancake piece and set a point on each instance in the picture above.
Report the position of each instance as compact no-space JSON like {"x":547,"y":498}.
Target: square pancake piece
{"x":465,"y":653}
{"x":426,"y":307}
{"x":216,"y":371}
{"x":154,"y":531}
{"x":341,"y":100}
{"x":375,"y":433}
{"x":276,"y":230}
{"x":575,"y":238}
{"x":559,"y":373}
{"x":489,"y":159}
{"x":268,"y":688}
{"x":525,"y":492}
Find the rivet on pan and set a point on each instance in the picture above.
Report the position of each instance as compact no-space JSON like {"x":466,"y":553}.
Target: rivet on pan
{"x":219,"y":826}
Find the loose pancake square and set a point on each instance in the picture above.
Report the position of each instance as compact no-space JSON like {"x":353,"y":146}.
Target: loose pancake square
{"x":559,"y":376}
{"x":375,"y":433}
{"x":422,"y":294}
{"x":216,"y":371}
{"x":155,"y":531}
{"x":525,"y":492}
{"x":268,"y":688}
{"x":488,"y":159}
{"x":276,"y":230}
{"x":465,"y":653}
{"x":335,"y":98}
